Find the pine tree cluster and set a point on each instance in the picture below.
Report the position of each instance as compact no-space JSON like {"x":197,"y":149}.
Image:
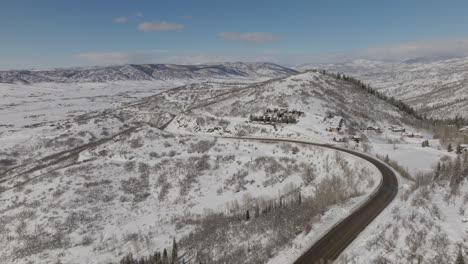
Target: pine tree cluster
{"x":366,"y":87}
{"x":156,"y":258}
{"x":453,"y":171}
{"x":460,"y":259}
{"x":425,"y":143}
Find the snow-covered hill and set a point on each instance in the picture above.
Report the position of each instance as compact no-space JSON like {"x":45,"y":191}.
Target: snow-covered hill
{"x":436,"y":88}
{"x":322,"y":98}
{"x":141,"y":72}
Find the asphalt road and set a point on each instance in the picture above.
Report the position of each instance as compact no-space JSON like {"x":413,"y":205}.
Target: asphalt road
{"x":331,"y":245}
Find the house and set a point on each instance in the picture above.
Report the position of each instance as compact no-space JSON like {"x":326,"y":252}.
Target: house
{"x":395,"y":128}
{"x":374,"y":128}
{"x":412,"y":135}
{"x":334,"y":124}
{"x":463,"y":129}
{"x":464,"y":147}
{"x":356,"y":139}
{"x":400,"y":129}
{"x":340,"y":139}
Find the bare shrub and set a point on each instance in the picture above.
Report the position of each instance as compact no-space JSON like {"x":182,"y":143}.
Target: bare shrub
{"x":7,"y":162}
{"x":223,"y":123}
{"x":138,"y":186}
{"x":136,"y":143}
{"x":130,"y":166}
{"x":165,"y":186}
{"x":154,"y":155}
{"x":308,"y":174}
{"x":201,"y":146}
{"x":96,"y":183}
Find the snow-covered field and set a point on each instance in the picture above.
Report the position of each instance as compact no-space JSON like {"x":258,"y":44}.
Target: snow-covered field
{"x":26,"y":104}
{"x":32,"y":104}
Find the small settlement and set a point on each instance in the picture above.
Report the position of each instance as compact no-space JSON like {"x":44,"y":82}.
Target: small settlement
{"x":277,"y":115}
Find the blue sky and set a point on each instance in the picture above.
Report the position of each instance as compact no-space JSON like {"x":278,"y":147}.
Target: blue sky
{"x":63,"y":33}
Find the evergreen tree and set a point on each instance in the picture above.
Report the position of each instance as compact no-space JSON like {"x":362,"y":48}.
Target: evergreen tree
{"x":247,"y":215}
{"x":459,"y":149}
{"x":437,"y":172}
{"x":456,"y":172}
{"x":165,"y":258}
{"x":460,"y":258}
{"x":387,"y":159}
{"x":175,"y":253}
{"x":425,"y":143}
{"x":449,"y":148}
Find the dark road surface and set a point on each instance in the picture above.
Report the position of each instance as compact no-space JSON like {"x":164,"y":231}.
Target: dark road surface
{"x":331,"y":245}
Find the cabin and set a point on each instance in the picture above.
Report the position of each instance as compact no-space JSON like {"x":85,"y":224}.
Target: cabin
{"x":412,"y":135}
{"x":374,"y":128}
{"x":335,"y":123}
{"x":356,"y":139}
{"x":464,"y":147}
{"x":340,"y":139}
{"x":395,"y":128}
{"x":463,"y":129}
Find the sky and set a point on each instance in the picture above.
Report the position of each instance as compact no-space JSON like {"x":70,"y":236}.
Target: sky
{"x":67,"y":33}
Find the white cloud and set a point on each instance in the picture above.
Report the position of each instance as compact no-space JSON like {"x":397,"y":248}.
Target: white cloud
{"x":397,"y":52}
{"x":422,"y":48}
{"x":159,"y":26}
{"x":107,"y":58}
{"x":158,"y":56}
{"x":255,"y":37}
{"x":120,"y":19}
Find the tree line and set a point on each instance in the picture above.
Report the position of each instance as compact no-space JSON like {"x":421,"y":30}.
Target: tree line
{"x":156,"y":258}
{"x":402,"y":106}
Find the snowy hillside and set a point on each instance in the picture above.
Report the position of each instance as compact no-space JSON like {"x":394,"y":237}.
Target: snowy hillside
{"x":137,"y":192}
{"x":427,"y":223}
{"x":97,"y":185}
{"x":322,"y":98}
{"x":145,"y":72}
{"x":436,"y":88}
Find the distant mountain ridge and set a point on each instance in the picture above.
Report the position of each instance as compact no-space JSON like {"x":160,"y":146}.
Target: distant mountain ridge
{"x":435,"y":88}
{"x":141,"y":72}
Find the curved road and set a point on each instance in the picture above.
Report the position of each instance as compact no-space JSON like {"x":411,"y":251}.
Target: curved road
{"x":331,"y":245}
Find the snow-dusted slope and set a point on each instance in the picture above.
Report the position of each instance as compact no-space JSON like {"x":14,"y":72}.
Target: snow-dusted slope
{"x":436,"y":88}
{"x":426,"y":224}
{"x":319,"y":96}
{"x":142,"y":72}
